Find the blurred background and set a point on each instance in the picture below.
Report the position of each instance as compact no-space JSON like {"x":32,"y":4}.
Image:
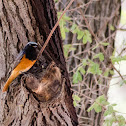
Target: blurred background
{"x":94,"y":42}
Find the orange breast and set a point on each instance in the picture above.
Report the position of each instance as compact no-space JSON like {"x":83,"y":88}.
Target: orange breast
{"x":24,"y":65}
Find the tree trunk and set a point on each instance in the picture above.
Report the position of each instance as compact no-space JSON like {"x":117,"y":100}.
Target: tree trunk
{"x":32,"y":20}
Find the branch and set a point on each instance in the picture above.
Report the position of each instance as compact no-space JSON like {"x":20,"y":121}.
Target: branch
{"x":97,"y":41}
{"x":52,"y":31}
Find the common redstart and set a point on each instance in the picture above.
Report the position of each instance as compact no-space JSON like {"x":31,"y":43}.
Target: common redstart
{"x":27,"y":58}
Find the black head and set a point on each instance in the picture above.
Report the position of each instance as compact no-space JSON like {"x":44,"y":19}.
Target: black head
{"x":31,"y":44}
{"x":30,"y":50}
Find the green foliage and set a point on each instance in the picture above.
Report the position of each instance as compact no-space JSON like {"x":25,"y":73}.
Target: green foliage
{"x":109,"y":121}
{"x":77,"y":77}
{"x":104,"y":43}
{"x":110,"y":114}
{"x":109,"y":111}
{"x":87,"y":37}
{"x":91,"y":66}
{"x":84,"y":62}
{"x":80,"y":34}
{"x":62,"y":24}
{"x":121,"y":120}
{"x":94,"y":68}
{"x":117,"y":59}
{"x":76,"y":99}
{"x":82,"y":70}
{"x":55,"y":1}
{"x":107,"y":72}
{"x":118,"y":119}
{"x":111,"y":72}
{"x":97,"y":105}
{"x":67,"y":48}
{"x":112,"y":28}
{"x":100,"y":56}
{"x":85,"y":34}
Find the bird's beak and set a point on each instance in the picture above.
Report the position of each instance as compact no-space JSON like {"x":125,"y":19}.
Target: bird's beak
{"x":35,"y":46}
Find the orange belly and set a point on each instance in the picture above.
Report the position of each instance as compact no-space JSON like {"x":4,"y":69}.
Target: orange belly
{"x":24,"y":65}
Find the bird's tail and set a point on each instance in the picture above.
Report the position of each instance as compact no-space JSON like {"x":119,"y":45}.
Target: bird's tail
{"x":13,"y":75}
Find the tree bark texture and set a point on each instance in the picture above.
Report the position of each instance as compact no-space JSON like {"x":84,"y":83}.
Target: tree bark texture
{"x":100,"y":15}
{"x":32,"y":20}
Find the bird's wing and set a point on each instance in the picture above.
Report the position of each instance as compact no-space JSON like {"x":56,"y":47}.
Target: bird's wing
{"x":18,"y":59}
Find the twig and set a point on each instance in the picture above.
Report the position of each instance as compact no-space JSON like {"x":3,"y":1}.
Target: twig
{"x":97,"y":41}
{"x":52,"y":31}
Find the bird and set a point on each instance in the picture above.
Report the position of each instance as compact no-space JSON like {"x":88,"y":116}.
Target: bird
{"x":25,"y":60}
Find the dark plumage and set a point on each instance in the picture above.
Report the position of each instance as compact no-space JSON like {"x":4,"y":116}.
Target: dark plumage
{"x":30,"y":50}
{"x":25,"y":61}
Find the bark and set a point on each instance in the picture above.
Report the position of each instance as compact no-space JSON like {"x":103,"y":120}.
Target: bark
{"x":31,"y":20}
